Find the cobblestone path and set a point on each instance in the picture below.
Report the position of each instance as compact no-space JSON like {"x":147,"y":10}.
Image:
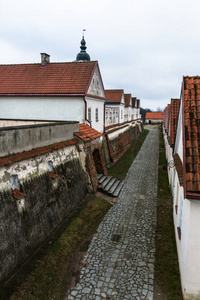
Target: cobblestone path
{"x":124,"y":268}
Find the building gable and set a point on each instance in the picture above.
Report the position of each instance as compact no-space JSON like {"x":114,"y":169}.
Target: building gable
{"x":96,"y":87}
{"x":123,"y":99}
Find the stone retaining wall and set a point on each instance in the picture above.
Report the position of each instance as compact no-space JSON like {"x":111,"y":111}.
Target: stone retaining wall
{"x":26,"y":222}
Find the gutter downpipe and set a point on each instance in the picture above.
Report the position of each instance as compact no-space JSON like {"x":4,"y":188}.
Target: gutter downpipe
{"x":86,"y":112}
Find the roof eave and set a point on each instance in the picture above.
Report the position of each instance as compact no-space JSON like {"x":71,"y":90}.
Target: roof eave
{"x":193,"y":195}
{"x":43,"y":95}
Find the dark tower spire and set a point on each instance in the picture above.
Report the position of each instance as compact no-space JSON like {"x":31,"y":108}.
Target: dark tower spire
{"x":83,"y":55}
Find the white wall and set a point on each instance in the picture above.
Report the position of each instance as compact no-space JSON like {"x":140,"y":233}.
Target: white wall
{"x":112,"y":115}
{"x":93,"y":104}
{"x":178,"y":145}
{"x":188,"y":218}
{"x":192,"y":280}
{"x":32,"y":167}
{"x":43,"y":108}
{"x":169,"y":157}
{"x":127,"y":113}
{"x":153,"y":121}
{"x":121,"y":113}
{"x":134,"y":113}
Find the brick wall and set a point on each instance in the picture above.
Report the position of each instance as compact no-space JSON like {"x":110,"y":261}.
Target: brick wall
{"x":118,"y":146}
{"x":90,"y":147}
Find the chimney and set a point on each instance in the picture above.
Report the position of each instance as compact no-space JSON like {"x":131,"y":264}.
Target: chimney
{"x":45,"y":59}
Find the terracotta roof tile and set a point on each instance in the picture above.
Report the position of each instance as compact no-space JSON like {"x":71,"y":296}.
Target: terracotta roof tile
{"x":54,"y":78}
{"x":166,"y":115}
{"x":53,"y":175}
{"x":154,"y":115}
{"x":18,"y":195}
{"x":35,"y":152}
{"x":87,"y":133}
{"x":179,"y":167}
{"x":175,"y":103}
{"x":127,"y":99}
{"x":134,"y":102}
{"x":191,"y":108}
{"x":114,"y":95}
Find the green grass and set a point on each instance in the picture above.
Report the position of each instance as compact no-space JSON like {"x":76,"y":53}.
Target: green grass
{"x":120,"y":168}
{"x":52,"y":273}
{"x":167,"y":275}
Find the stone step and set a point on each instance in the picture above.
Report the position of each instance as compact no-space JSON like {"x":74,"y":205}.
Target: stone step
{"x":108,"y":179}
{"x":114,"y":186}
{"x":118,"y":189}
{"x":99,"y":176}
{"x":108,"y":186}
{"x":101,"y":180}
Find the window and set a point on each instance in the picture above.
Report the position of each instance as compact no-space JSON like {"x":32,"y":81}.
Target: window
{"x":110,"y":115}
{"x":106,"y":114}
{"x":97,"y":114}
{"x":116,"y":114}
{"x":97,"y":82}
{"x":89,"y":114}
{"x":113,"y":114}
{"x":50,"y":165}
{"x":121,"y":113}
{"x":15,"y":182}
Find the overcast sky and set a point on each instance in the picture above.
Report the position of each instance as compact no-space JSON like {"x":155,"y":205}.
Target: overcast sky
{"x":142,"y":46}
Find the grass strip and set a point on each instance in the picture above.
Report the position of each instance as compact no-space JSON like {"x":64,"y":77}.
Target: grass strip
{"x":53,"y":273}
{"x":120,"y":168}
{"x":167,"y":275}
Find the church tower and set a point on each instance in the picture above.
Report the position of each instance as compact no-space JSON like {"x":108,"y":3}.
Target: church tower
{"x":83,"y":55}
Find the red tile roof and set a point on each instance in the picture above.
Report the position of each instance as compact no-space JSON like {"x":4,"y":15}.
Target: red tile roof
{"x":35,"y":152}
{"x":127,"y":99}
{"x":18,"y":195}
{"x":154,"y":115}
{"x":179,"y":167}
{"x":87,"y":133}
{"x":166,"y":114}
{"x":167,"y":117}
{"x":52,"y":79}
{"x":114,"y":96}
{"x":134,"y":102}
{"x":175,"y":103}
{"x":191,"y":110}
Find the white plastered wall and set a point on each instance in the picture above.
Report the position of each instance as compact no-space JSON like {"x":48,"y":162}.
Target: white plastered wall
{"x":43,"y":108}
{"x":94,"y":104}
{"x":192,"y":278}
{"x":29,"y":168}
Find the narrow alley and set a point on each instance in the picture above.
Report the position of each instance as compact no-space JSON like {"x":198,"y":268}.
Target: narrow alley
{"x":119,"y":263}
